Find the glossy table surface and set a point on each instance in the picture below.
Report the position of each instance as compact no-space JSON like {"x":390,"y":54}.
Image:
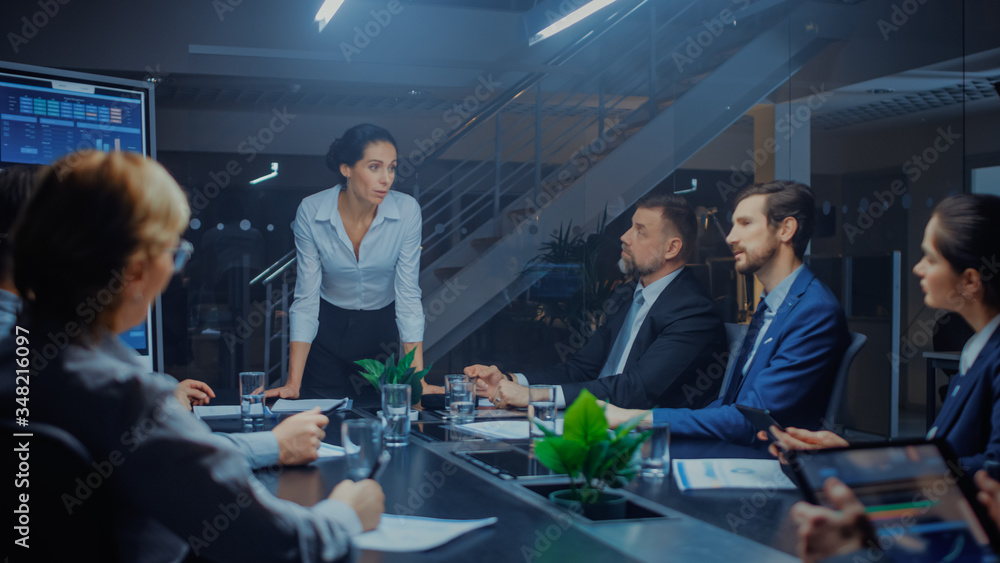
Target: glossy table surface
{"x":428,"y":478}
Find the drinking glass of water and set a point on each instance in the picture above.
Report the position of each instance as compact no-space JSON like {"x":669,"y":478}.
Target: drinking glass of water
{"x":463,"y":402}
{"x":655,"y":451}
{"x":449,"y":380}
{"x":541,"y":408}
{"x":252,"y":400}
{"x":362,"y":441}
{"x":396,"y":413}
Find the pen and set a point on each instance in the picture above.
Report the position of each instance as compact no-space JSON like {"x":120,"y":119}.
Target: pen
{"x":379,"y":466}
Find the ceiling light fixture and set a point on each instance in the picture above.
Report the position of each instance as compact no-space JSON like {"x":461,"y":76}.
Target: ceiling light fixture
{"x":553,"y":18}
{"x":326,"y":11}
{"x":273,"y":174}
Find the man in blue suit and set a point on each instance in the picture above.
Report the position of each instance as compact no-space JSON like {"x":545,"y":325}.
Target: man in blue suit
{"x":797,"y":338}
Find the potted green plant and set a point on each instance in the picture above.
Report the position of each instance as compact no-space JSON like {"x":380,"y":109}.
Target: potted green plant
{"x":594,"y":457}
{"x":379,"y":374}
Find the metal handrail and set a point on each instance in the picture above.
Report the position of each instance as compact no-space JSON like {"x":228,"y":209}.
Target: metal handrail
{"x":478,"y":164}
{"x":277,"y":264}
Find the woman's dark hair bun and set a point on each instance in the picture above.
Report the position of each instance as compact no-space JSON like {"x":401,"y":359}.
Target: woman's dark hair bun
{"x":350,"y":147}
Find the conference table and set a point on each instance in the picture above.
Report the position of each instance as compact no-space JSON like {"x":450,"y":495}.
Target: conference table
{"x":432,"y":476}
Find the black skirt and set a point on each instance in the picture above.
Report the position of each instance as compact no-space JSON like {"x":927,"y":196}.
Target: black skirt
{"x":343,"y":336}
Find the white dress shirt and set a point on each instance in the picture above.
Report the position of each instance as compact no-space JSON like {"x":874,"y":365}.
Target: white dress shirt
{"x":387,"y":267}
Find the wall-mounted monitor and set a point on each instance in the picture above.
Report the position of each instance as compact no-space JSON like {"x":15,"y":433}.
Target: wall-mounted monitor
{"x":46,"y":113}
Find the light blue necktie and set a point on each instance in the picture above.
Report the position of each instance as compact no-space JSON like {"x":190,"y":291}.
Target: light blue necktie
{"x":624,"y":334}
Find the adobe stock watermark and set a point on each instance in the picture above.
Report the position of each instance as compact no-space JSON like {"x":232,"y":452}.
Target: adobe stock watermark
{"x":34,"y":23}
{"x":694,"y":46}
{"x":786,"y":125}
{"x":545,"y":538}
{"x":582,"y":159}
{"x":223,"y":7}
{"x":485,"y":89}
{"x":914,"y":168}
{"x":363,"y":35}
{"x":899,"y":16}
{"x":200,"y":198}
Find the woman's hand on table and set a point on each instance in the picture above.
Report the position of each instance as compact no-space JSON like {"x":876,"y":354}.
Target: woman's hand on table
{"x":797,"y":439}
{"x":283,"y":392}
{"x":365,"y":497}
{"x":825,"y":533}
{"x":192,"y":392}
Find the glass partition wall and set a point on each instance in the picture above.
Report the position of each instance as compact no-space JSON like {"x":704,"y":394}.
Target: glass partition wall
{"x":527,"y":178}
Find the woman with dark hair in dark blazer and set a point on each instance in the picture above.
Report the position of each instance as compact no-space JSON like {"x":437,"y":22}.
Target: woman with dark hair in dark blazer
{"x":959,"y":272}
{"x":357,"y":294}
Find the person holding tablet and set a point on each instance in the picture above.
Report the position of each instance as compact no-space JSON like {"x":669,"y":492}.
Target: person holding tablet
{"x":97,"y":243}
{"x":958,"y":272}
{"x":358,"y":257}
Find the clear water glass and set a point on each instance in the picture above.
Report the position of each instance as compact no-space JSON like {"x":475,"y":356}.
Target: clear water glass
{"x":362,"y":441}
{"x":463,"y":402}
{"x":542,"y":408}
{"x":396,"y":413}
{"x":252,"y":400}
{"x":655,"y":452}
{"x":448,"y":381}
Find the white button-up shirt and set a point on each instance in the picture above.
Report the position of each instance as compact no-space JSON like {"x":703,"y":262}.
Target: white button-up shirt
{"x":387,"y":267}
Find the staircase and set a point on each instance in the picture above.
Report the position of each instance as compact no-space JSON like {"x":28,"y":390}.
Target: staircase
{"x":563,"y":151}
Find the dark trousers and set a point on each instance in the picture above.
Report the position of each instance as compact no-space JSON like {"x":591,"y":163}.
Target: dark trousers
{"x":346,"y":335}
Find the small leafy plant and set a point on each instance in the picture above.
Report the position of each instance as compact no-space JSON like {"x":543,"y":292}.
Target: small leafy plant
{"x":588,"y":450}
{"x":379,"y":374}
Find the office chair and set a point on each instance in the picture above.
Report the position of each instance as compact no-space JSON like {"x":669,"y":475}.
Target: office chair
{"x":858,"y":341}
{"x":734,"y":337}
{"x":59,"y":469}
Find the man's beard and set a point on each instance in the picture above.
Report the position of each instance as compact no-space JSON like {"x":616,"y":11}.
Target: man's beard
{"x":630,"y":268}
{"x":755,"y":260}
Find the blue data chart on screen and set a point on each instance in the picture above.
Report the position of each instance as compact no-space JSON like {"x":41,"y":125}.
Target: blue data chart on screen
{"x":40,"y":123}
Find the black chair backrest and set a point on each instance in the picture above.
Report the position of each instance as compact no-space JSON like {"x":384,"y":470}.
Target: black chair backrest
{"x":734,"y":338}
{"x":69,"y":508}
{"x":858,"y":341}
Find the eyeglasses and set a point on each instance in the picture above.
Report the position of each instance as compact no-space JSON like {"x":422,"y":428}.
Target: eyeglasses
{"x":181,"y":253}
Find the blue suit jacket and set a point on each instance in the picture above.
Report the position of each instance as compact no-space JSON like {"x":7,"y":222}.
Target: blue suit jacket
{"x":970,"y":415}
{"x":671,"y":358}
{"x":791,"y":374}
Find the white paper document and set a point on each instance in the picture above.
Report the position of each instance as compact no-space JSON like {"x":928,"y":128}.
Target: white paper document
{"x":412,"y":533}
{"x":730,"y":474}
{"x":215,"y":412}
{"x":329,"y":450}
{"x":485,"y":403}
{"x":290,"y":406}
{"x":505,"y":429}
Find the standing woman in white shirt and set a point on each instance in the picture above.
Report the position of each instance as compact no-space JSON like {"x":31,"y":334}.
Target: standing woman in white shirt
{"x":357,"y":294}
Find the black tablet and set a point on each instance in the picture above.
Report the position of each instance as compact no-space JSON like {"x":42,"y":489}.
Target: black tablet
{"x":917,"y":496}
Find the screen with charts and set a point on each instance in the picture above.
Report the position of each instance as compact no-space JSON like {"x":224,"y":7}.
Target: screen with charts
{"x":913,"y":498}
{"x":48,"y":113}
{"x":41,"y":120}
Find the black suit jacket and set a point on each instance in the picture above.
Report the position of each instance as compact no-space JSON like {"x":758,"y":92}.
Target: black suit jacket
{"x":670,"y":363}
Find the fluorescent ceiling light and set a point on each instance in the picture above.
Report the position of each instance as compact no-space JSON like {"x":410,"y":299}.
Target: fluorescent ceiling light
{"x":568,"y":20}
{"x":273,"y":174}
{"x":326,"y":11}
